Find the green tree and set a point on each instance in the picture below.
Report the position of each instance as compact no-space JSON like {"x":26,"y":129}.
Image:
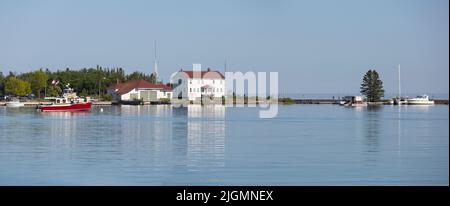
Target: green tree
{"x":2,"y":81}
{"x":53,"y":91}
{"x":38,"y":81}
{"x":372,"y":86}
{"x":152,"y":79}
{"x":17,"y":86}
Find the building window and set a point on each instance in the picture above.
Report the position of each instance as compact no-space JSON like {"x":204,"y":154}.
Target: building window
{"x":190,"y":82}
{"x":180,"y":81}
{"x":190,"y":89}
{"x":213,"y":81}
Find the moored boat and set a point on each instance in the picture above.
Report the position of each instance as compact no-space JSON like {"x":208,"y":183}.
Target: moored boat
{"x":81,"y":106}
{"x":420,"y":100}
{"x":15,"y":103}
{"x":400,"y":101}
{"x":68,"y":102}
{"x":353,"y":101}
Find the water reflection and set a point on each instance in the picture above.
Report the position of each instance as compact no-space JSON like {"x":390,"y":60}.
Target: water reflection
{"x":192,"y":138}
{"x":146,"y":133}
{"x":165,"y":145}
{"x":399,"y":133}
{"x":206,"y":135}
{"x":372,"y":132}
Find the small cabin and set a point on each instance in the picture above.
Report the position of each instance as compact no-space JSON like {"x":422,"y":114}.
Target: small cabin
{"x":140,"y":90}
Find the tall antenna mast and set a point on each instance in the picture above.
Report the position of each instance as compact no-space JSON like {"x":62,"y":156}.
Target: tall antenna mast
{"x":225,"y":66}
{"x":156,"y":65}
{"x":399,"y":83}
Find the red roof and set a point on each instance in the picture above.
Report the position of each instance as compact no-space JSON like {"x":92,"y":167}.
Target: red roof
{"x":123,"y":88}
{"x":205,"y":74}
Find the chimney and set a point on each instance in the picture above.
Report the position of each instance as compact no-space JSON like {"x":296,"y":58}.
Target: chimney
{"x":208,"y":69}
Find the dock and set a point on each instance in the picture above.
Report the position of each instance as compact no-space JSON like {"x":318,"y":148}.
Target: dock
{"x":316,"y":101}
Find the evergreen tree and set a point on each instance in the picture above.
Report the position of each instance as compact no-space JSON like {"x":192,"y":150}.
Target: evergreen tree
{"x":372,"y":86}
{"x":2,"y":79}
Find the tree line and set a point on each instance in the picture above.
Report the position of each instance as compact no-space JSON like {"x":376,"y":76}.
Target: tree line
{"x":85,"y":81}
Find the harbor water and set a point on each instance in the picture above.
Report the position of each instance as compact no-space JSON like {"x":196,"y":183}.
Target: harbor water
{"x":217,"y":145}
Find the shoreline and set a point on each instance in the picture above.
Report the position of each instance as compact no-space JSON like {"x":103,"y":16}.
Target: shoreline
{"x":295,"y":101}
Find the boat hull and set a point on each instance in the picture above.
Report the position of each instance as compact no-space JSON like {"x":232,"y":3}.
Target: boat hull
{"x":14,"y":104}
{"x":66,"y":108}
{"x":420,"y":102}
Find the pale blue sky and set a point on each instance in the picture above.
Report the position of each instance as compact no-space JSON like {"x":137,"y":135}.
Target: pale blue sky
{"x":316,"y":46}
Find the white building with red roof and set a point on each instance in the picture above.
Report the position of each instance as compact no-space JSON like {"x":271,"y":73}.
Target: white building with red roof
{"x":140,"y":90}
{"x":196,"y":84}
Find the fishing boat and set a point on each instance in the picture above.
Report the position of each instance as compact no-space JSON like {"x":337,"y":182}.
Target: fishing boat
{"x":69,"y":102}
{"x":420,"y":100}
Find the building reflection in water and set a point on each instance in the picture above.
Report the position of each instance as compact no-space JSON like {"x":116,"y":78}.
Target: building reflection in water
{"x":206,"y":136}
{"x":146,"y":132}
{"x":150,"y":137}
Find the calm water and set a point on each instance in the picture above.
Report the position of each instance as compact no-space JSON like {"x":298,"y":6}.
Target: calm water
{"x":214,"y":145}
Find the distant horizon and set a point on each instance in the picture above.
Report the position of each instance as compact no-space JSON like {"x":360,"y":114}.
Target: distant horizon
{"x":317,"y":47}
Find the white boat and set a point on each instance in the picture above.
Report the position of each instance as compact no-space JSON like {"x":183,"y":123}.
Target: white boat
{"x":420,"y":100}
{"x":353,"y":101}
{"x":14,"y":104}
{"x":400,"y":101}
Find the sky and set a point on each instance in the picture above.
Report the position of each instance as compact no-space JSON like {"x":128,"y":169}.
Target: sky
{"x":316,"y":46}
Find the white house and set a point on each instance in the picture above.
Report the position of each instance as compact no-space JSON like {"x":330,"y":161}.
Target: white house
{"x":140,"y":90}
{"x":197,"y":84}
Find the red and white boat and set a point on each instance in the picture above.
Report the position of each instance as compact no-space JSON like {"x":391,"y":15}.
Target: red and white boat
{"x":69,"y":102}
